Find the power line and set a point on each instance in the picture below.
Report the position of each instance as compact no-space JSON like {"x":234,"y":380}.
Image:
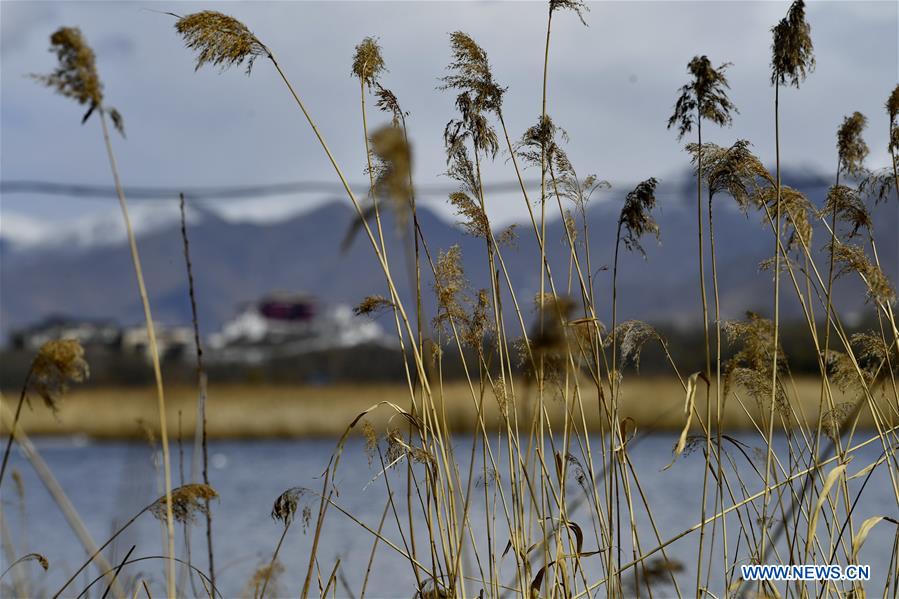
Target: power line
{"x":232,"y":192}
{"x":255,"y":191}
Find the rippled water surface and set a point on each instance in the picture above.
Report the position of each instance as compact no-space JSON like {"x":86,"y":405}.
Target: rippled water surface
{"x":109,"y":482}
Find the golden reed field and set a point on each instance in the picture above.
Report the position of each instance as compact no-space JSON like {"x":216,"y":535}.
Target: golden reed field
{"x":252,"y":410}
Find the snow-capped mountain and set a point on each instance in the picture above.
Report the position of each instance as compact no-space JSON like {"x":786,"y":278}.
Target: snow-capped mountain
{"x":24,"y":233}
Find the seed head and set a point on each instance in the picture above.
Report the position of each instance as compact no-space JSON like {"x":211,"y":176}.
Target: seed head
{"x":479,"y":94}
{"x":388,"y":102}
{"x":792,"y":53}
{"x":187,"y":500}
{"x":555,"y":312}
{"x":76,"y":75}
{"x":892,"y":104}
{"x":461,"y":168}
{"x":707,"y":93}
{"x":368,"y":63}
{"x":735,"y":171}
{"x":570,"y":227}
{"x":477,"y":325}
{"x":394,"y":168}
{"x":851,"y":146}
{"x":509,"y":236}
{"x":285,"y":506}
{"x":472,"y":125}
{"x":796,"y":209}
{"x":755,"y":338}
{"x":473,"y":219}
{"x":636,"y":217}
{"x":372,"y":305}
{"x":880,"y":184}
{"x":849,"y":208}
{"x":220,"y":40}
{"x":57,"y":364}
{"x":842,"y":372}
{"x":541,"y":143}
{"x":758,"y":385}
{"x":371,"y":440}
{"x":470,"y":73}
{"x":751,"y":365}
{"x":579,"y":7}
{"x":571,"y":187}
{"x":852,"y":258}
{"x":451,"y":287}
{"x":834,"y":419}
{"x":872,"y":352}
{"x":632,"y":335}
{"x":266,"y":575}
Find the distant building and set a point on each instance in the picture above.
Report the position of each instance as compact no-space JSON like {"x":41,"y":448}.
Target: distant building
{"x":171,"y":342}
{"x":286,"y":325}
{"x":91,"y":334}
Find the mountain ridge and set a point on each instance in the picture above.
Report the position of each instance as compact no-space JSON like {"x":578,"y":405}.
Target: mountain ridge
{"x":237,"y":262}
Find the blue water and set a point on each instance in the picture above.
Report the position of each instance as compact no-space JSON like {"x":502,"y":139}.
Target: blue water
{"x":110,"y":481}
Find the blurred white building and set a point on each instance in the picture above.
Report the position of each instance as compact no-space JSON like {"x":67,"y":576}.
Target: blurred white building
{"x":286,"y":325}
{"x":171,"y":342}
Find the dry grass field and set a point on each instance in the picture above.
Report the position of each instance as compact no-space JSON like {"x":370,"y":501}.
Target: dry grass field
{"x":253,"y":411}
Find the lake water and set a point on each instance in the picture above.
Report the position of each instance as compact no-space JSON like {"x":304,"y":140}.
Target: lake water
{"x":110,"y":481}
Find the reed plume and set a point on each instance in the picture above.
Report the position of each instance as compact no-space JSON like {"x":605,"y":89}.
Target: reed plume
{"x":852,"y":259}
{"x":393,"y":169}
{"x":372,"y":304}
{"x":634,"y":335}
{"x":845,"y":204}
{"x":880,"y":184}
{"x":578,"y":7}
{"x":450,"y":286}
{"x":735,"y":171}
{"x":388,"y":102}
{"x":751,"y":364}
{"x":470,"y":73}
{"x":892,"y":106}
{"x":187,"y":501}
{"x":797,"y":208}
{"x":541,"y":144}
{"x":56,"y":365}
{"x":472,"y":125}
{"x":474,"y":219}
{"x":368,"y":64}
{"x":851,"y":147}
{"x":792,"y":51}
{"x":703,"y":98}
{"x":266,"y":575}
{"x":76,"y":74}
{"x":220,"y":40}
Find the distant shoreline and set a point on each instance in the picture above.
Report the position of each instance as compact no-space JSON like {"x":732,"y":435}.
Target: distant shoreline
{"x":247,"y":411}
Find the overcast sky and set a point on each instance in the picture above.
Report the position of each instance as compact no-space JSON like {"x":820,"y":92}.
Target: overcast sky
{"x":612,"y":86}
